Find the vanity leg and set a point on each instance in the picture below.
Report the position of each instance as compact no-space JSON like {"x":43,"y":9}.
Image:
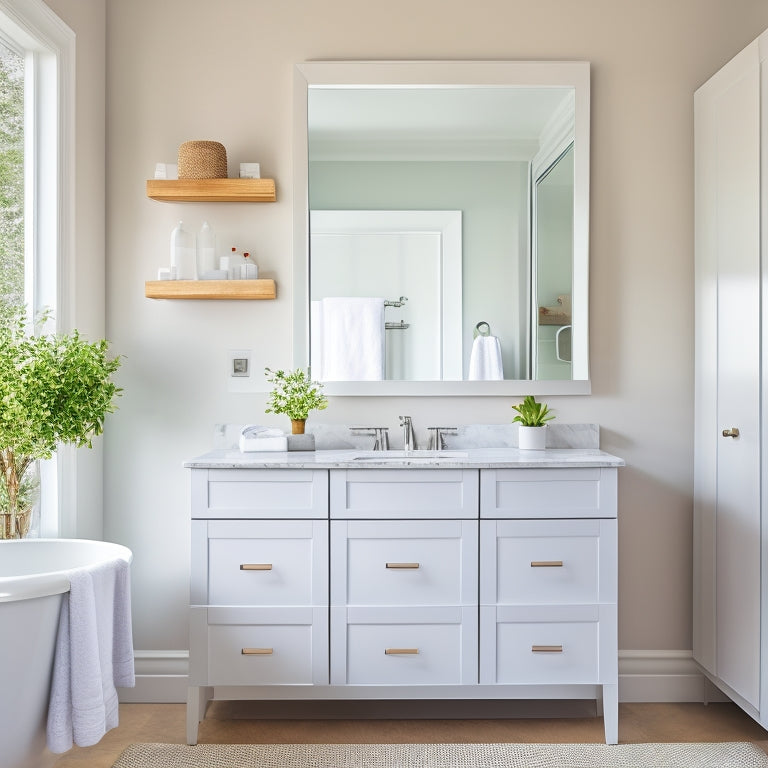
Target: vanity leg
{"x":611,"y":713}
{"x":198,"y":697}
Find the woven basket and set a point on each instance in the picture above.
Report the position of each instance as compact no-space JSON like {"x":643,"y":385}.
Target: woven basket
{"x":202,"y":160}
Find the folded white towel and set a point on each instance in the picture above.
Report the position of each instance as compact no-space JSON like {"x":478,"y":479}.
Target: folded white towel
{"x":94,"y":653}
{"x":347,"y":339}
{"x":485,"y":361}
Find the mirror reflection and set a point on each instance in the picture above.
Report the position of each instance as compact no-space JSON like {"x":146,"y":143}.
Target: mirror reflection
{"x":446,"y":232}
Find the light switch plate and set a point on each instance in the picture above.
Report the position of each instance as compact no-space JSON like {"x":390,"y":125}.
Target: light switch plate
{"x":239,"y":371}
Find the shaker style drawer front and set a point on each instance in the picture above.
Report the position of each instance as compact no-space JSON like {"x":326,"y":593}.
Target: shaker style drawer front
{"x":259,"y":655}
{"x":548,"y":493}
{"x":374,"y":650}
{"x":267,"y":646}
{"x":404,"y":563}
{"x":532,"y":647}
{"x":542,"y":561}
{"x":267,"y":563}
{"x":256,"y":493}
{"x":403,"y":494}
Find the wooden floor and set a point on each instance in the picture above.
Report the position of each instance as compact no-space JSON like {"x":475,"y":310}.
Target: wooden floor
{"x":233,"y":723}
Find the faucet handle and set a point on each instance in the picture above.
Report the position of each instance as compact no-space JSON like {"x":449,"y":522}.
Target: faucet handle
{"x":380,"y":435}
{"x":437,"y":436}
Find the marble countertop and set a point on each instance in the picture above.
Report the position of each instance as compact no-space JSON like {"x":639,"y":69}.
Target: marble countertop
{"x":472,"y":458}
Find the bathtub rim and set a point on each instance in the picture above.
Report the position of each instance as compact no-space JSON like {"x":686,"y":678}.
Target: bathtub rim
{"x":43,"y":584}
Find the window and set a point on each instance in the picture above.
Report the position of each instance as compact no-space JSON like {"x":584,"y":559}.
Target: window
{"x":37,"y":193}
{"x":12,"y":252}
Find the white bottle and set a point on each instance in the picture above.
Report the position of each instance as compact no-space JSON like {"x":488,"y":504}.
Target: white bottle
{"x":236,"y":263}
{"x":206,"y":251}
{"x":249,"y":269}
{"x":183,"y":253}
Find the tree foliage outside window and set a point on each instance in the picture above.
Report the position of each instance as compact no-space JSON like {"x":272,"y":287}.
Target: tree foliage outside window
{"x":12,"y":257}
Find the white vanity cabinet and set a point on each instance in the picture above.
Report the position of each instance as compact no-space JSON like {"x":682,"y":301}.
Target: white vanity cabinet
{"x":404,"y":587}
{"x":259,"y":582}
{"x":465,"y":581}
{"x":549,"y":580}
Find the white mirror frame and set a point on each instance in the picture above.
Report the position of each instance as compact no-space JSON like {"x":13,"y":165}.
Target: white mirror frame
{"x":429,"y":73}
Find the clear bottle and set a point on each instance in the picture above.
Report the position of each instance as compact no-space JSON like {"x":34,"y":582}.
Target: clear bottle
{"x":250,"y":270}
{"x":206,"y":251}
{"x":236,"y":264}
{"x":183,"y":253}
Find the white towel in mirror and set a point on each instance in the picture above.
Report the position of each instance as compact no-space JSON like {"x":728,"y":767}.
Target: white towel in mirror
{"x":347,"y":339}
{"x":485,"y":361}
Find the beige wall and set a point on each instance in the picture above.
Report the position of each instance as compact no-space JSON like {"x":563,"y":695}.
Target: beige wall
{"x":191,"y":69}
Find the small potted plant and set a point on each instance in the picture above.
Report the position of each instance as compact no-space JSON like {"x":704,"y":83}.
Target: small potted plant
{"x":53,"y":389}
{"x":533,"y":418}
{"x":295,"y":395}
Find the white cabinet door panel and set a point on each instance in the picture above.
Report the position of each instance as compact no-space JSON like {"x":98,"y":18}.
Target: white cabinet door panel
{"x":254,"y":493}
{"x":548,"y":493}
{"x":409,"y":494}
{"x":404,"y":562}
{"x":424,"y":646}
{"x":260,"y":655}
{"x":727,"y":473}
{"x":262,"y":562}
{"x":545,"y":561}
{"x":540,"y":646}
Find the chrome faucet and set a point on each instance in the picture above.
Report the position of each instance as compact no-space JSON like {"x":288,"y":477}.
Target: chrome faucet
{"x":437,"y":436}
{"x":409,"y":438}
{"x":380,"y":436}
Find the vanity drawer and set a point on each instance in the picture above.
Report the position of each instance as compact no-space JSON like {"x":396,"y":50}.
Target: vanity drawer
{"x":523,"y":648}
{"x":264,"y":562}
{"x":278,"y":647}
{"x":424,"y":647}
{"x":264,"y":493}
{"x":547,"y":561}
{"x":404,"y":493}
{"x":404,"y":562}
{"x":548,"y":493}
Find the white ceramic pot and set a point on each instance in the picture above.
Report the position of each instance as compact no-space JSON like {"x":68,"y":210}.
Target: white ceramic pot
{"x":532,"y":438}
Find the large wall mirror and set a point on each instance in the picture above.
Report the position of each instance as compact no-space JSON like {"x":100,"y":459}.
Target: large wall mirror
{"x":441,"y":227}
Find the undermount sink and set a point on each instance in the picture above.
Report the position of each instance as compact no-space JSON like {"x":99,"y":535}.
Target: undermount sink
{"x":424,"y":456}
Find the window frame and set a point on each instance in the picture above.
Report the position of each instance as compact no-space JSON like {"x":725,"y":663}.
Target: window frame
{"x":48,"y":45}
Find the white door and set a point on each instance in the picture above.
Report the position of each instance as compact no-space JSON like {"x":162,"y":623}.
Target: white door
{"x":728,"y":371}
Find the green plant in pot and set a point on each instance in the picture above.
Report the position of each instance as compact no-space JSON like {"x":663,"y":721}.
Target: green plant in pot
{"x":295,"y":395}
{"x":533,"y":418}
{"x":54,"y":389}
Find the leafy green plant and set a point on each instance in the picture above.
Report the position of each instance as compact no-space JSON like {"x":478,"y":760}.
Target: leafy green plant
{"x":53,"y":389}
{"x":532,"y":414}
{"x":294,"y":394}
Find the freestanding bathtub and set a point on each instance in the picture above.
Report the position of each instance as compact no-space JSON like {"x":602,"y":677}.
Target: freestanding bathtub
{"x":34,"y":576}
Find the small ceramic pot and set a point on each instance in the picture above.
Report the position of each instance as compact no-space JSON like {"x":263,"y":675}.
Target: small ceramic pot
{"x":532,"y":438}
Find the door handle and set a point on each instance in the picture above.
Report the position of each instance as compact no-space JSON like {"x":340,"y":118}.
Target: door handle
{"x":732,"y":432}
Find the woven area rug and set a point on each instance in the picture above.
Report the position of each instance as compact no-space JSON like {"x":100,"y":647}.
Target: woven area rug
{"x":722,"y":755}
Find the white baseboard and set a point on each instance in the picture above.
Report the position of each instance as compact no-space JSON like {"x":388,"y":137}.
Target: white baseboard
{"x":161,"y":678}
{"x":644,"y":676}
{"x":663,"y":676}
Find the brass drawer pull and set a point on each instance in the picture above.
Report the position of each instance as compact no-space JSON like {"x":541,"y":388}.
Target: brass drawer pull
{"x":546,"y":564}
{"x":403,"y":566}
{"x":256,"y":567}
{"x":732,"y":432}
{"x":547,"y":648}
{"x":401,"y":651}
{"x":257,"y":651}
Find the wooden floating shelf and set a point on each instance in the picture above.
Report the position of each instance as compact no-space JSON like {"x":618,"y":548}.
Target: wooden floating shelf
{"x":212,"y":190}
{"x":557,"y":315}
{"x":210,"y":289}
